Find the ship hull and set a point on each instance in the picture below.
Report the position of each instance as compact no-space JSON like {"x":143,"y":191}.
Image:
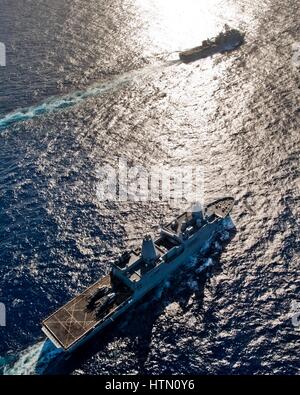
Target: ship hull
{"x":229,"y":41}
{"x":198,"y":242}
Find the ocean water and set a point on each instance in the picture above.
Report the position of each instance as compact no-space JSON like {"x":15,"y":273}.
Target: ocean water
{"x":89,"y":82}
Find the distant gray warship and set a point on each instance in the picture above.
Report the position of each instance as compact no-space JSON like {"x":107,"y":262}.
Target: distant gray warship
{"x":224,"y":42}
{"x":134,"y":274}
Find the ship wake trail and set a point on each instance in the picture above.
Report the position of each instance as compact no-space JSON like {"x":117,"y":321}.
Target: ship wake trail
{"x":57,"y":103}
{"x":35,"y":360}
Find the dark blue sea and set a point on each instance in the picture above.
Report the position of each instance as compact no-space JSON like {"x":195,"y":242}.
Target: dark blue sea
{"x":88,"y":82}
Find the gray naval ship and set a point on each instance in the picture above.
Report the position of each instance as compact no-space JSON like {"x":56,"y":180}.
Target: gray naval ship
{"x":134,"y":274}
{"x":225,"y":41}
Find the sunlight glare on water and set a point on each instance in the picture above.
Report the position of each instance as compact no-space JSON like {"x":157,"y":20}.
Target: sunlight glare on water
{"x":177,"y":24}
